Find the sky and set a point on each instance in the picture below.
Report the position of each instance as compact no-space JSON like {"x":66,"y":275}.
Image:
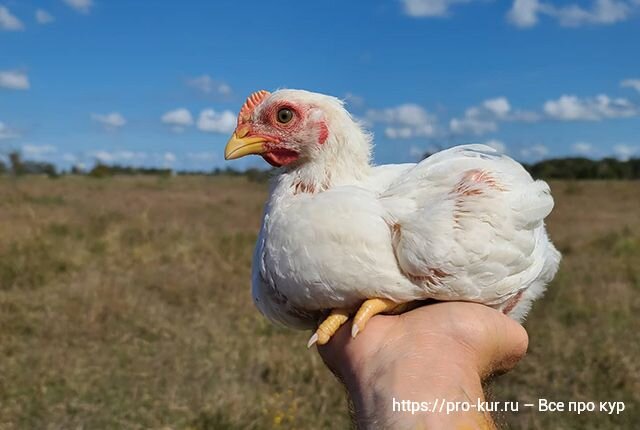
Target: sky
{"x":160,"y":83}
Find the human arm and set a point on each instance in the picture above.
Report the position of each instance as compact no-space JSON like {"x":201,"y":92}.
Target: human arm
{"x":437,"y":352}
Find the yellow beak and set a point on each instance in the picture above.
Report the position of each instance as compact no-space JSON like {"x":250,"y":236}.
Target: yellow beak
{"x":240,"y":146}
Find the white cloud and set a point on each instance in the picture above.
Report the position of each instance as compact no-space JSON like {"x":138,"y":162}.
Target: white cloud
{"x":216,"y":122}
{"x":82,"y":6}
{"x":119,"y":156}
{"x":6,"y":132}
{"x":207,"y":85}
{"x":103,"y":156}
{"x":583,"y":148}
{"x":534,"y":152}
{"x":404,"y":121}
{"x":427,"y":130}
{"x":130,"y":158}
{"x":44,"y":17}
{"x":110,"y":121}
{"x":38,"y":151}
{"x":631,"y":83}
{"x":499,"y":106}
{"x":484,"y":118}
{"x":624,"y":152}
{"x":572,"y":108}
{"x":477,"y":120}
{"x":429,"y":8}
{"x":8,"y":21}
{"x":169,"y":157}
{"x":602,"y":12}
{"x":525,"y":13}
{"x":498,"y":145}
{"x":14,"y":80}
{"x":178,"y":118}
{"x":472,"y":125}
{"x":224,"y":89}
{"x":410,"y":121}
{"x":354,"y":100}
{"x":406,"y":114}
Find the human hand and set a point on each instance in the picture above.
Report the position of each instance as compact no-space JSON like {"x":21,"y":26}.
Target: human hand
{"x":439,"y":351}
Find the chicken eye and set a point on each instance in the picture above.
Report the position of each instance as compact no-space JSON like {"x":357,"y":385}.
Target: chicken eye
{"x":285,"y":115}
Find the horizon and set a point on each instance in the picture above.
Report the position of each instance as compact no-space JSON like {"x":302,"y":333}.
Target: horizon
{"x":121,"y":83}
{"x":44,"y":167}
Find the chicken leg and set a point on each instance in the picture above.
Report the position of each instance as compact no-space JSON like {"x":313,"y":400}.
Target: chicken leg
{"x":373,"y":307}
{"x":367,"y":310}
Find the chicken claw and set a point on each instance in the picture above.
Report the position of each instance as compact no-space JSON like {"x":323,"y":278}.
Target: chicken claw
{"x":373,"y":307}
{"x":329,"y":327}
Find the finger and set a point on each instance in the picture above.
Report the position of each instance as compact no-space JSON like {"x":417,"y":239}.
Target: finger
{"x":503,"y":345}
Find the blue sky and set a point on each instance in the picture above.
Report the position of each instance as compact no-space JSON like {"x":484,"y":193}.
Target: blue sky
{"x":160,"y":83}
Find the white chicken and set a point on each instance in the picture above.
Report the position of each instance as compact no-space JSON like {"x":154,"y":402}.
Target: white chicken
{"x":342,"y":236}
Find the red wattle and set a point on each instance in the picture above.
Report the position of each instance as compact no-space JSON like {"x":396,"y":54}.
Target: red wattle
{"x":280,"y":157}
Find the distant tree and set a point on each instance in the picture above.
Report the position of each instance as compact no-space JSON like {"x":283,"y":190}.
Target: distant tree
{"x":230,"y":171}
{"x":584,"y":168}
{"x":101,"y":170}
{"x":17,"y":166}
{"x":565,"y":168}
{"x":20,"y":167}
{"x":634,"y":167}
{"x":258,"y":175}
{"x":572,"y":168}
{"x":41,"y":168}
{"x":77,"y":170}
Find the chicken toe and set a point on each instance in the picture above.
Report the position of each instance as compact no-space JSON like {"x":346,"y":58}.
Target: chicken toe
{"x":373,"y":307}
{"x":329,"y":327}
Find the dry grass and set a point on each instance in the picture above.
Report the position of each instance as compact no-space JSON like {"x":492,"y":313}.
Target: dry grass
{"x":125,"y":303}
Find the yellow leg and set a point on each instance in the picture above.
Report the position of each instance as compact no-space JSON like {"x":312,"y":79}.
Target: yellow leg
{"x":329,"y":327}
{"x":373,"y":307}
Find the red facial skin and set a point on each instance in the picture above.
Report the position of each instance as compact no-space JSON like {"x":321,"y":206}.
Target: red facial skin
{"x":324,"y":132}
{"x":275,"y":132}
{"x":279,"y":157}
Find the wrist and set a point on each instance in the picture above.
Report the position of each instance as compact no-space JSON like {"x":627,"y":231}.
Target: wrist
{"x":425,"y":370}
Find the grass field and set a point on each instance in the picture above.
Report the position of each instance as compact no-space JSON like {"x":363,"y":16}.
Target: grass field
{"x":125,"y":303}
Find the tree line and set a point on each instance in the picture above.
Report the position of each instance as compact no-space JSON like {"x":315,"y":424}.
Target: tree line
{"x":585,"y":168}
{"x":17,"y":166}
{"x":555,"y":168}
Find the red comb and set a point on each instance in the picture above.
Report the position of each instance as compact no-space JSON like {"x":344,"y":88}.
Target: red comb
{"x":250,"y":104}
